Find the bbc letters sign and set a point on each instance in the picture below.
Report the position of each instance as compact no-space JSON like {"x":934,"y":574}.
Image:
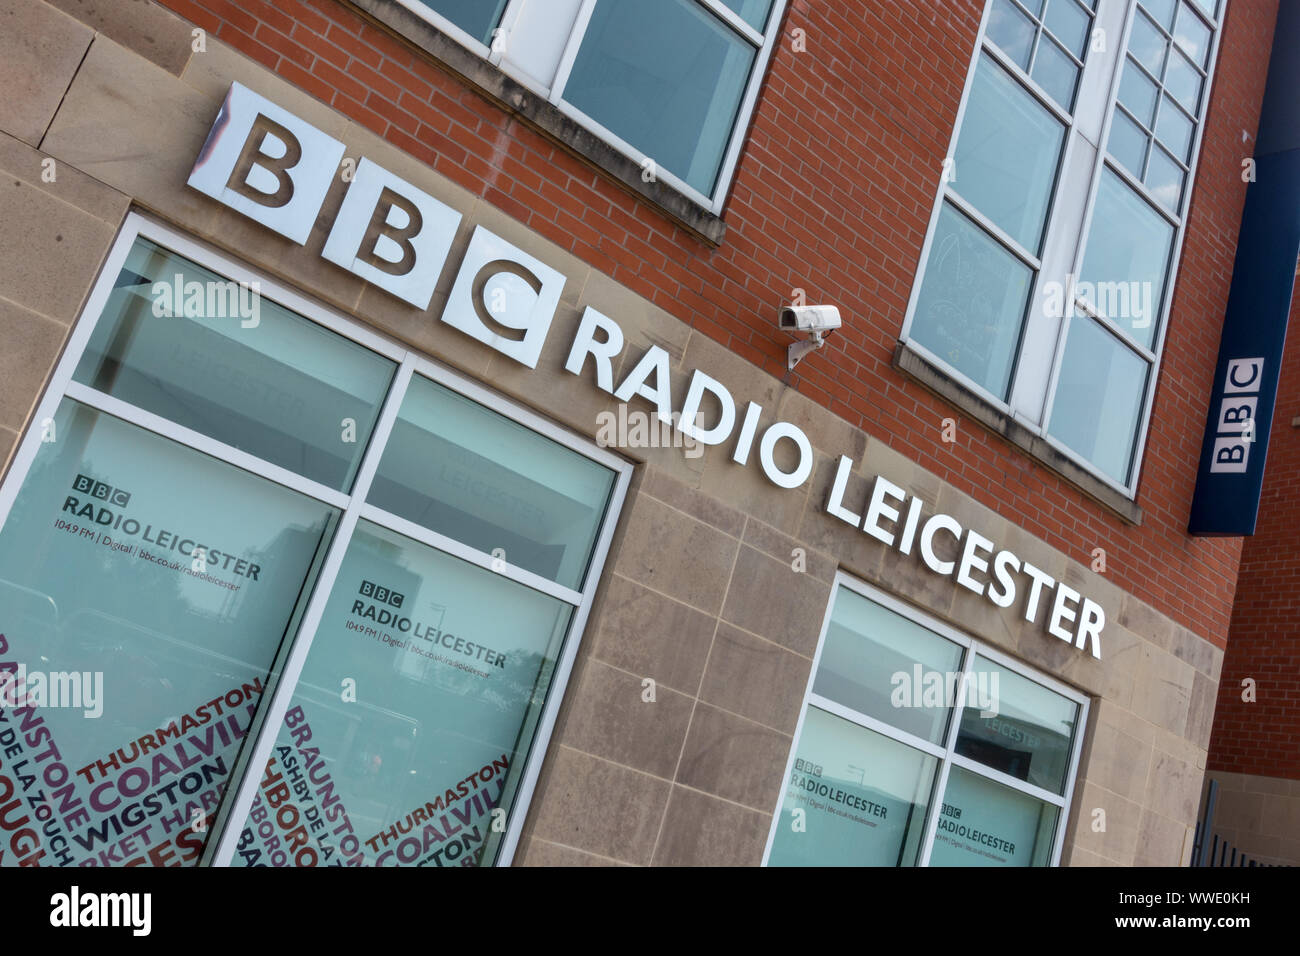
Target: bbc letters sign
{"x":277,"y":169}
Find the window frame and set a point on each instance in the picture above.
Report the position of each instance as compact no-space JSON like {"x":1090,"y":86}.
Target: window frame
{"x":286,"y":669}
{"x":945,"y":754}
{"x":763,"y":43}
{"x":1023,"y":399}
{"x":985,"y":46}
{"x":1178,"y":220}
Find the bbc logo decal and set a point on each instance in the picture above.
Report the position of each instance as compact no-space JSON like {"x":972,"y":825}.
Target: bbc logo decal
{"x":377,"y":592}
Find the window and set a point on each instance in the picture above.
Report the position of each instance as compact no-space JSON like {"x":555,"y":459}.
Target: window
{"x":919,"y":747}
{"x":670,"y":83}
{"x":986,"y":245}
{"x":1106,"y":371}
{"x":237,"y":509}
{"x":1048,"y":270}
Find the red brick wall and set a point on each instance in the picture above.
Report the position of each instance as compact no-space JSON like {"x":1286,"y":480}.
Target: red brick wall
{"x":1264,"y":737}
{"x":878,"y":89}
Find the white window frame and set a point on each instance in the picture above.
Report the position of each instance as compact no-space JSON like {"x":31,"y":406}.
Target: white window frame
{"x":553,"y":92}
{"x":1031,"y":395}
{"x":945,"y":754}
{"x":253,"y":755}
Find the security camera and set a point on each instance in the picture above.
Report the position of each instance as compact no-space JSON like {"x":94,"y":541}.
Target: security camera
{"x":817,"y":320}
{"x":810,"y":318}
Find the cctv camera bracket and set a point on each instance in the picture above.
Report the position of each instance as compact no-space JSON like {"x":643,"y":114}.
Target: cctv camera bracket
{"x":796,"y":351}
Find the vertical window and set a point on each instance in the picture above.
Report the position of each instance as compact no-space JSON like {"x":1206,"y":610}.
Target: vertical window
{"x":452,"y":657}
{"x":917,"y":746}
{"x":987,"y":240}
{"x":236,"y":508}
{"x":1048,"y":270}
{"x":1107,"y":366}
{"x":670,"y":83}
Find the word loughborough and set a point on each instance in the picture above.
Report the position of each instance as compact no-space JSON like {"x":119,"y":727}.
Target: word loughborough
{"x":976,"y":556}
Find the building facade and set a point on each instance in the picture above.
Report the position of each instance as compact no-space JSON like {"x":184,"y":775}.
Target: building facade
{"x":404,"y":454}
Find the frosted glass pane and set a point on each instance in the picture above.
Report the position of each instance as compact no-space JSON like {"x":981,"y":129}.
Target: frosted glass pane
{"x":459,"y":468}
{"x":180,"y":341}
{"x":667,"y":77}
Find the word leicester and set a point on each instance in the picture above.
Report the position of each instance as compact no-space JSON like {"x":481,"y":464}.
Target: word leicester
{"x":277,"y":169}
{"x":976,"y":567}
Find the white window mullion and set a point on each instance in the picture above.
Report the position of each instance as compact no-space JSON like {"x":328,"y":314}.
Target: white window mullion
{"x":247,"y":772}
{"x":441,"y":542}
{"x":570,"y":54}
{"x":534,"y":39}
{"x":949,"y":743}
{"x":1044,"y":336}
{"x":202,"y":443}
{"x":1015,"y":783}
{"x":873,"y":724}
{"x":733,"y":20}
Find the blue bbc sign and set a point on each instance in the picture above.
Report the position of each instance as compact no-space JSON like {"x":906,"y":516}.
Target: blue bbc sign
{"x":1235,"y":447}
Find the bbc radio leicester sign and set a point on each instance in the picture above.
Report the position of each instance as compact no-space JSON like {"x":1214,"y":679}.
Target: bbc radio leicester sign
{"x":275,"y":168}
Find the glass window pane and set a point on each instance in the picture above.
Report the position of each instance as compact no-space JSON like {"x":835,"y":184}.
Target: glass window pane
{"x":1184,"y":81}
{"x":1210,"y":7}
{"x":753,"y":12}
{"x":452,"y":665}
{"x":972,"y":302}
{"x":1056,"y":73}
{"x":982,"y":823}
{"x":1099,"y":398}
{"x":1007,"y":154}
{"x":1192,"y":35}
{"x":1069,"y":24}
{"x":1147,"y":44}
{"x":478,"y":18}
{"x":460,"y":469}
{"x":1174,"y":130}
{"x":1125,"y":265}
{"x":1165,"y":179}
{"x":885,"y":666}
{"x":1138,"y":94}
{"x":848,"y":819}
{"x":184,"y":343}
{"x":667,"y":77}
{"x":1162,"y":11}
{"x":1026,"y":734}
{"x":167,"y":581}
{"x":1128,"y":143}
{"x":1012,"y":31}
